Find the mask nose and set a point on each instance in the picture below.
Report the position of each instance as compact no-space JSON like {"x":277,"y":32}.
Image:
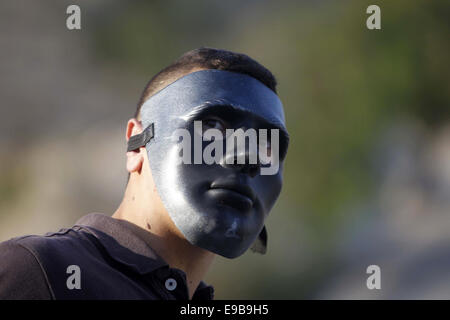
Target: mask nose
{"x":242,"y":157}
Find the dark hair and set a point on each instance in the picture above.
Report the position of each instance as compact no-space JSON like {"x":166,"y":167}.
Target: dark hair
{"x":206,"y":58}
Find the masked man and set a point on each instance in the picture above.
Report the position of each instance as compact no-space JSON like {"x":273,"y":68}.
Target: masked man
{"x":205,"y":157}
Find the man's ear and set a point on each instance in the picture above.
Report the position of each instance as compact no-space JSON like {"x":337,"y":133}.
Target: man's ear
{"x":135,"y":158}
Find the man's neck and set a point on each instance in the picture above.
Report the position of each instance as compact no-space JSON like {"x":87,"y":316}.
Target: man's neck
{"x":168,"y":242}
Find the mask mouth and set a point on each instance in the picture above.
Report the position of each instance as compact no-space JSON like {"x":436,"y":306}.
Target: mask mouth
{"x":235,"y":186}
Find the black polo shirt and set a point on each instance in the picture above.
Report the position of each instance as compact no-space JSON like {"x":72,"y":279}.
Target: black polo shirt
{"x":111,"y":258}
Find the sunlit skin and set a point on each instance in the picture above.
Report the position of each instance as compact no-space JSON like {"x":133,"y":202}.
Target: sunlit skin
{"x":142,"y":206}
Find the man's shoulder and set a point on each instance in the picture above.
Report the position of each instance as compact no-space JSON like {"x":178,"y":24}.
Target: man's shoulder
{"x":24,"y":246}
{"x":49,"y":251}
{"x":12,"y":252}
{"x":21,"y":273}
{"x":59,"y":246}
{"x":30,"y":264}
{"x":39,"y":241}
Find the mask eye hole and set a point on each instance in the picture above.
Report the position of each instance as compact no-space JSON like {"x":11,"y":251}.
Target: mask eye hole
{"x":211,"y":123}
{"x":265,"y":152}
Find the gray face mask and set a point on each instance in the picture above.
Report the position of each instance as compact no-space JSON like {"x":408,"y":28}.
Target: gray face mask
{"x":220,"y":207}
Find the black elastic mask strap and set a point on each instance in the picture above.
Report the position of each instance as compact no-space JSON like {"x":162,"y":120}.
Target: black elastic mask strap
{"x":260,"y":245}
{"x":141,"y":139}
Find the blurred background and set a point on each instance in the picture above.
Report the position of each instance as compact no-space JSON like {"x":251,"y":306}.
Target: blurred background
{"x":367,"y":177}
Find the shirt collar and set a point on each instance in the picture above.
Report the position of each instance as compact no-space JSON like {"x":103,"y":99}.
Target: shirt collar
{"x":128,"y":244}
